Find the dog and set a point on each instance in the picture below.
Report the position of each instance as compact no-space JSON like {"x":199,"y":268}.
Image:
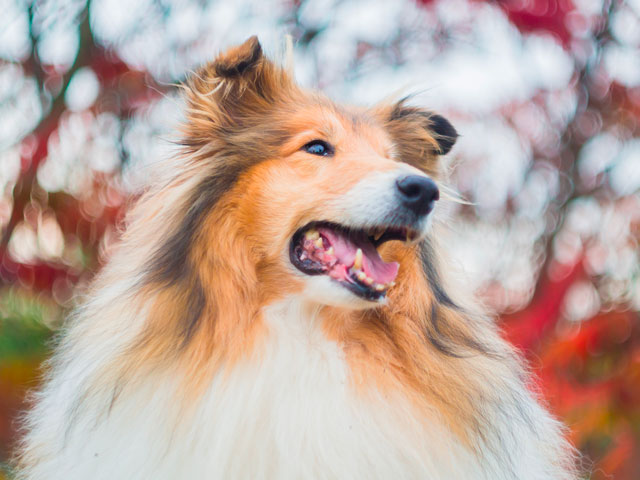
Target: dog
{"x":279,"y":308}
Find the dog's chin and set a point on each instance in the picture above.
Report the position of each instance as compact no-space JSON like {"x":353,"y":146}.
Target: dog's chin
{"x":326,"y":291}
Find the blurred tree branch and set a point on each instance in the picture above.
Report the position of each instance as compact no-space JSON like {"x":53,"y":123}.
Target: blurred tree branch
{"x":49,"y":121}
{"x":110,"y":70}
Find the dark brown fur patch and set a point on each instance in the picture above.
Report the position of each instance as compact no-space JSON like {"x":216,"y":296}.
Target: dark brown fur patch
{"x":445,"y":337}
{"x":171,"y":262}
{"x":427,"y":256}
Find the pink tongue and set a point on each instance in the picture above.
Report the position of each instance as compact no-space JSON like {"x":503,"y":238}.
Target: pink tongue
{"x":345,"y":251}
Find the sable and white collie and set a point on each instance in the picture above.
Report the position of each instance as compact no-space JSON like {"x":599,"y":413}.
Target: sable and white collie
{"x":276,"y":310}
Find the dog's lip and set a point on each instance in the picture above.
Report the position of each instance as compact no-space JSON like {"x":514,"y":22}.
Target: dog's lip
{"x":355,"y":264}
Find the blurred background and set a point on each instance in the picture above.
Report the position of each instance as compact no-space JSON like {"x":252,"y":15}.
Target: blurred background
{"x":546,"y":96}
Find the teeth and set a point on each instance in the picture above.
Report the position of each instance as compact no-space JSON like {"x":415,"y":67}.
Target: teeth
{"x":318,"y":242}
{"x":312,"y":235}
{"x":357,"y":263}
{"x":364,"y":278}
{"x":360,"y":275}
{"x":378,"y":233}
{"x":329,"y":251}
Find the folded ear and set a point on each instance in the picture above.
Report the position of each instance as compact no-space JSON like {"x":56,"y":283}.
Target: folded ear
{"x":445,"y":134}
{"x":419,"y":135}
{"x":232,"y":92}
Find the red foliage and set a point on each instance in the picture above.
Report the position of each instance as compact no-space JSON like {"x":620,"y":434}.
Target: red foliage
{"x":526,"y":328}
{"x":590,"y":376}
{"x":39,"y":276}
{"x":540,"y":16}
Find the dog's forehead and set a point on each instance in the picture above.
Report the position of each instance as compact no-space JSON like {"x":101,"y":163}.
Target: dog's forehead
{"x":342,"y":123}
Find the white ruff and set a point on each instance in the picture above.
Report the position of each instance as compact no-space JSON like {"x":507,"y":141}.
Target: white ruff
{"x":288,"y":412}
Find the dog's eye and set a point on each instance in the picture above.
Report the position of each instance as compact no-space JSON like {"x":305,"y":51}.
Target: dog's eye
{"x":318,"y":147}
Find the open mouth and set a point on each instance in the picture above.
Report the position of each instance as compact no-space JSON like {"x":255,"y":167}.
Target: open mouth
{"x":349,"y":256}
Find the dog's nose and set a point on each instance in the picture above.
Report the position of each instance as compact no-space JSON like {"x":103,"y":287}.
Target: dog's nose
{"x":418,"y":193}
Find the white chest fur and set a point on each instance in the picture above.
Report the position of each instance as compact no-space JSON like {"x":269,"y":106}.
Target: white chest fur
{"x":289,"y":412}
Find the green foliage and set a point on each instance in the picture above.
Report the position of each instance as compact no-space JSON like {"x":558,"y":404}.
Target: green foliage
{"x":23,"y":325}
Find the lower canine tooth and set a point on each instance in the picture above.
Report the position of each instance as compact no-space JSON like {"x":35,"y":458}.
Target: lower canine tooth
{"x":357,"y":263}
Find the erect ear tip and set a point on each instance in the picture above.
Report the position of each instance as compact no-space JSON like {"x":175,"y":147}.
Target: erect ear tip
{"x":446,"y":134}
{"x":238,"y":60}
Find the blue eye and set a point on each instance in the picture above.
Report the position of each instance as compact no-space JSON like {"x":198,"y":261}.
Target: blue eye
{"x":318,"y":147}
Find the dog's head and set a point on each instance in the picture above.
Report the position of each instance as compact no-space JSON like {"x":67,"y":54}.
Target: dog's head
{"x":307,"y":189}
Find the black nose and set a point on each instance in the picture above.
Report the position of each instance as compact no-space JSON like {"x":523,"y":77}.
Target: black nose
{"x":418,"y":193}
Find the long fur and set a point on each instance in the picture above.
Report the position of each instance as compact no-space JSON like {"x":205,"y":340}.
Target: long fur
{"x":198,"y":352}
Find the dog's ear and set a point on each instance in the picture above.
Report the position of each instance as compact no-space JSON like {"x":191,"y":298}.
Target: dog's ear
{"x":420,"y":136}
{"x":445,"y":134}
{"x":233,"y":92}
{"x":239,"y":60}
